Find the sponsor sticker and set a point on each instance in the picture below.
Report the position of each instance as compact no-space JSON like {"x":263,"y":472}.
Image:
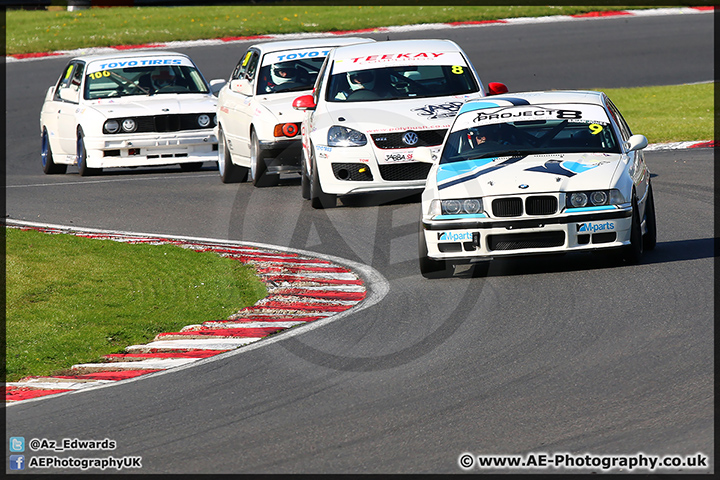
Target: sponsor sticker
{"x":131,"y":62}
{"x":275,"y":57}
{"x":595,"y":227}
{"x":454,"y":236}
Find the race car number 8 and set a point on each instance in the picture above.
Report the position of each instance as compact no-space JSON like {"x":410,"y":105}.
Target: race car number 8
{"x":595,"y":128}
{"x":457,"y":70}
{"x":97,"y":75}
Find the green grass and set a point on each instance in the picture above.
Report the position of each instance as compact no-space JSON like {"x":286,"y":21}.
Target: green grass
{"x":71,"y":300}
{"x":668,"y":113}
{"x":31,"y":31}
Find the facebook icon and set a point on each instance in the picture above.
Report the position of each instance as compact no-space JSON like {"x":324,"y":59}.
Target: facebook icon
{"x":17,"y":462}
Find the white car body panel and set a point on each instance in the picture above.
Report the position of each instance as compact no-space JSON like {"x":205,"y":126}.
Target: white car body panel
{"x":239,"y":113}
{"x":63,"y":120}
{"x":378,"y":117}
{"x":534,"y":177}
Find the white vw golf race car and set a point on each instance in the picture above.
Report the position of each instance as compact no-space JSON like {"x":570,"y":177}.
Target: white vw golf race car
{"x":533,"y":173}
{"x":372,"y":106}
{"x":128,"y":110}
{"x":258,"y":130}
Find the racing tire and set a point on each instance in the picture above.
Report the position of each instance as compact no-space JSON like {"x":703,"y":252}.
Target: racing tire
{"x":650,"y":237}
{"x":258,"y":167}
{"x":191,"y":167}
{"x":430,"y":268}
{"x":81,"y":155}
{"x":304,"y":179}
{"x":632,"y":253}
{"x":48,"y":164}
{"x":318,"y":198}
{"x":229,"y":172}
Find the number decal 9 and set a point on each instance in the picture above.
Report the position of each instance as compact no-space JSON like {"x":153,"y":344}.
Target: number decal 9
{"x":595,"y":128}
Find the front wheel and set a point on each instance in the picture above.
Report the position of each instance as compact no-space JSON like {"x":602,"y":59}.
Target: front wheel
{"x":258,"y":167}
{"x":85,"y":171}
{"x":229,"y":172}
{"x":632,"y":253}
{"x":48,"y":164}
{"x":650,"y":237}
{"x":318,"y":198}
{"x":430,"y":268}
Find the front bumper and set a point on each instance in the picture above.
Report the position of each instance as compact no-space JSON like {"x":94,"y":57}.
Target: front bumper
{"x":466,"y":238}
{"x":151,"y":149}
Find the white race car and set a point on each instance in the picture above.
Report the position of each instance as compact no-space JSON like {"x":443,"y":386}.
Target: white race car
{"x":372,"y":106}
{"x":128,"y":110}
{"x":258,"y":130}
{"x":533,"y":173}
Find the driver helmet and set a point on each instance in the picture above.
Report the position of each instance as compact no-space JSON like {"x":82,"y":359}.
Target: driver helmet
{"x":283,"y":73}
{"x":163,"y":77}
{"x":361,"y":79}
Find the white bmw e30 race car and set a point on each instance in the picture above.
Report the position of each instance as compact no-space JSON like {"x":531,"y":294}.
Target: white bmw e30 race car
{"x":258,"y":130}
{"x":372,"y":106}
{"x":534,"y":173}
{"x":128,"y":110}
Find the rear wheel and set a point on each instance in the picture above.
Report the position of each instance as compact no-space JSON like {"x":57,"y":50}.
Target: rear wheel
{"x":48,"y":164}
{"x":84,"y":170}
{"x":229,"y":172}
{"x":258,"y":167}
{"x":318,"y":198}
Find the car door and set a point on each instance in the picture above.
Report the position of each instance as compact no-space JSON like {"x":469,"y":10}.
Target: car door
{"x":67,"y":98}
{"x":236,"y":104}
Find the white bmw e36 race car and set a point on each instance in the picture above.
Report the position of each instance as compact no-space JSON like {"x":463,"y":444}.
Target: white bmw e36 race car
{"x":535,"y":173}
{"x":128,"y":110}
{"x":258,"y":130}
{"x":372,"y":106}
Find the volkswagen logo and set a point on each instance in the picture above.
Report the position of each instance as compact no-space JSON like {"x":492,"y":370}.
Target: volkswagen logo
{"x":410,"y":138}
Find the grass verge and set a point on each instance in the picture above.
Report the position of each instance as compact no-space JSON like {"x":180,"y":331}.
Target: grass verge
{"x":71,"y":299}
{"x":33,"y":31}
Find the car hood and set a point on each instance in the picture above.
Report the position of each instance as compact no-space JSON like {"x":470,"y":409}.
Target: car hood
{"x":528,"y":174}
{"x":385,"y":116}
{"x":155,"y":105}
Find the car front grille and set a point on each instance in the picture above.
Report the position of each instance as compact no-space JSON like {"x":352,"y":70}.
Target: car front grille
{"x":518,"y":241}
{"x":168,"y":123}
{"x":405,"y":171}
{"x":426,"y":138}
{"x":534,"y":205}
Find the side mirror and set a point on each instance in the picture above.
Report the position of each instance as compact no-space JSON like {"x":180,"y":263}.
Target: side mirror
{"x":423,"y":154}
{"x":242,"y":86}
{"x":636,"y":142}
{"x":497,"y":88}
{"x":50,"y":93}
{"x":217,"y":84}
{"x":69,"y":95}
{"x":304,"y":102}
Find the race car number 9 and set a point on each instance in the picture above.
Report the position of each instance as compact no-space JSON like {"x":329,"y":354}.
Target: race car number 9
{"x":595,"y":128}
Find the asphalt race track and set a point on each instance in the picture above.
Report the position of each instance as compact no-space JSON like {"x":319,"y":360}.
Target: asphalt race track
{"x":568,"y":354}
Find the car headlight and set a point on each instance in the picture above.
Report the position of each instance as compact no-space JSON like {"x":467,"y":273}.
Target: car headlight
{"x":129,"y":125}
{"x":345,"y":137}
{"x":461,"y":206}
{"x":203,"y":120}
{"x":111,"y":126}
{"x":594,"y":198}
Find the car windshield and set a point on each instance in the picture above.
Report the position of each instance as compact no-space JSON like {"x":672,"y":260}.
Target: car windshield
{"x":400,"y":82}
{"x":528,"y":137}
{"x":131,"y":81}
{"x":289,"y":75}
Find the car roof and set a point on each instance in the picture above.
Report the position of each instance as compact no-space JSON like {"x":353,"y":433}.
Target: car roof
{"x":394,"y":46}
{"x":552,"y":96}
{"x":126,"y":54}
{"x":334,"y":41}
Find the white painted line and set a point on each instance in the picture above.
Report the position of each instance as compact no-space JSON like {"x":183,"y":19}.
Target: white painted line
{"x":149,"y":364}
{"x":189,"y":344}
{"x":69,"y":385}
